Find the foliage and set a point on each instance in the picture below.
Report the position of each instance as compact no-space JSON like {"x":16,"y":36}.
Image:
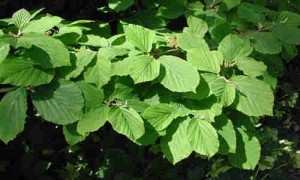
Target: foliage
{"x":199,"y":92}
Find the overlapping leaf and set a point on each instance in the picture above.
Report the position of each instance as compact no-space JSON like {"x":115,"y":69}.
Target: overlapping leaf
{"x":140,"y":37}
{"x":100,"y":72}
{"x":93,"y":119}
{"x":144,"y":68}
{"x":203,"y":137}
{"x":22,"y":71}
{"x":127,"y":122}
{"x":254,"y":97}
{"x":59,"y":102}
{"x":209,"y":61}
{"x":175,"y":144}
{"x":180,"y":76}
{"x":44,"y":52}
{"x":161,"y":116}
{"x":234,"y":47}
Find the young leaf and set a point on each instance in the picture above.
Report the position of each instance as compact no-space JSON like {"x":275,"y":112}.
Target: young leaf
{"x":13,"y":107}
{"x":140,"y":37}
{"x":175,"y":144}
{"x":21,"y":18}
{"x":205,"y":60}
{"x":45,"y":53}
{"x":144,"y":68}
{"x":254,"y":97}
{"x":93,"y":119}
{"x":127,"y":122}
{"x":20,"y":71}
{"x":227,"y":135}
{"x":42,"y":25}
{"x":251,"y":67}
{"x":4,"y":51}
{"x":160,"y":116}
{"x":59,"y":102}
{"x":120,"y":5}
{"x":203,"y":137}
{"x":180,"y":76}
{"x":71,"y":135}
{"x":100,"y":73}
{"x":234,"y":47}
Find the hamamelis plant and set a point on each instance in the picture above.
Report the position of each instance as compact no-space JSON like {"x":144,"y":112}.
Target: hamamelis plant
{"x":200,"y":90}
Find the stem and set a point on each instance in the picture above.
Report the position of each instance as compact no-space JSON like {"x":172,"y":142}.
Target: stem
{"x":4,"y":90}
{"x":166,"y":52}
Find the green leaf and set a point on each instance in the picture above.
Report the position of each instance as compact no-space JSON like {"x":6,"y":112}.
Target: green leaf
{"x":172,"y":9}
{"x":205,"y":109}
{"x":21,"y":18}
{"x":120,"y":5}
{"x":83,"y":58}
{"x":287,"y":34}
{"x":203,"y":137}
{"x":227,"y":135}
{"x":112,"y":52}
{"x":93,"y":119}
{"x":205,"y":60}
{"x":123,"y":89}
{"x":254,"y":97}
{"x":197,"y":26}
{"x":231,"y":3}
{"x":127,"y":122}
{"x":4,"y":51}
{"x":265,"y":42}
{"x":20,"y":71}
{"x":160,"y":116}
{"x":71,"y":135}
{"x":99,"y":73}
{"x":180,"y":76}
{"x":7,"y":39}
{"x":225,"y":91}
{"x":43,"y":24}
{"x":121,"y":68}
{"x":138,"y":106}
{"x":59,"y":102}
{"x":93,"y":40}
{"x":175,"y":144}
{"x":251,"y":13}
{"x":234,"y":47}
{"x":93,"y":96}
{"x":13,"y":107}
{"x":288,"y":18}
{"x":248,"y":149}
{"x":251,"y":67}
{"x":144,"y":68}
{"x":68,"y":34}
{"x":140,"y":37}
{"x":44,"y":52}
{"x":187,"y":41}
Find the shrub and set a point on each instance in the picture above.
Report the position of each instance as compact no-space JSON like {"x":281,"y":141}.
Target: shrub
{"x":203,"y":89}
